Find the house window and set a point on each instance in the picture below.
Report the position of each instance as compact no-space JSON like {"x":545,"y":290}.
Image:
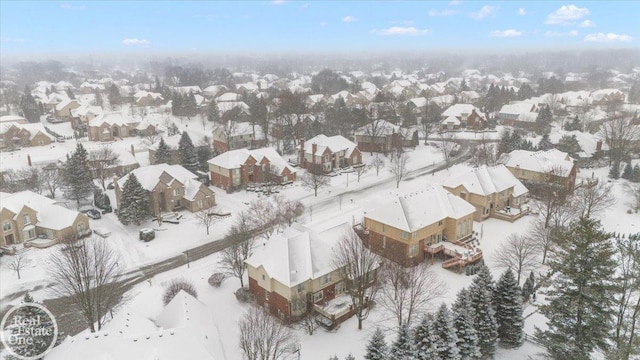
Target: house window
{"x":6,"y":226}
{"x":325,"y":279}
{"x":384,"y":228}
{"x":440,"y":223}
{"x":384,"y":242}
{"x":250,"y":169}
{"x":176,"y":192}
{"x":26,"y":219}
{"x":340,"y":288}
{"x":413,"y":250}
{"x":318,"y":296}
{"x":300,"y":288}
{"x":263,"y":277}
{"x":405,"y":235}
{"x":199,"y":203}
{"x":29,"y":234}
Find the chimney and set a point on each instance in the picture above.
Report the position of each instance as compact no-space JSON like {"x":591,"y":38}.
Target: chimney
{"x":314,"y":148}
{"x":29,"y":159}
{"x":302,"y":145}
{"x":133,"y":151}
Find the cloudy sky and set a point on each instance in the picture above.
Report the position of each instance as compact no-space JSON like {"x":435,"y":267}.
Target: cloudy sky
{"x":303,"y":26}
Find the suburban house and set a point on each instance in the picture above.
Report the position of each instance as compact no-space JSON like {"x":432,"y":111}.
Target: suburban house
{"x":412,"y":226}
{"x":383,"y":136}
{"x":173,"y":142}
{"x":16,"y":135}
{"x":170,"y":188}
{"x":26,"y":216}
{"x":241,"y":167}
{"x":146,"y":98}
{"x":237,"y":135}
{"x":81,"y":116}
{"x":111,"y":126}
{"x":322,"y":153}
{"x":63,"y":109}
{"x":184,"y":329}
{"x":551,"y":166}
{"x":494,"y":191}
{"x":292,"y":274}
{"x":462,"y":117}
{"x":12,"y":119}
{"x":519,"y":114}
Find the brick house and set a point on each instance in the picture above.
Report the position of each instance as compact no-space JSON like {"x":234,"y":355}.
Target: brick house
{"x":26,"y":216}
{"x":16,"y":135}
{"x":237,"y":135}
{"x":170,"y":188}
{"x":292,"y":274}
{"x":403,"y":229}
{"x":386,"y":136}
{"x":323,"y":154}
{"x":241,"y":167}
{"x":534,"y":167}
{"x":463,"y":117}
{"x":111,"y":126}
{"x":494,"y":191}
{"x":519,"y":114}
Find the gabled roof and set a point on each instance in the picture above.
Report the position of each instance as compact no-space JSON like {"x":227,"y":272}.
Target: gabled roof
{"x":382,"y":127}
{"x":417,"y":210}
{"x":49,"y":215}
{"x":149,"y":177}
{"x":333,"y":143}
{"x":459,"y":109}
{"x":540,"y":161}
{"x":487,"y":181}
{"x":298,"y":254}
{"x":234,"y":159}
{"x":112,"y":119}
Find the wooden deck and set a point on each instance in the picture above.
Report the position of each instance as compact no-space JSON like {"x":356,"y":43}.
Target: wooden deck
{"x":459,"y":253}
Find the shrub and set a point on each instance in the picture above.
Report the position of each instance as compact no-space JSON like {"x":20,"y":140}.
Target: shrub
{"x":174,"y":288}
{"x":216,"y":279}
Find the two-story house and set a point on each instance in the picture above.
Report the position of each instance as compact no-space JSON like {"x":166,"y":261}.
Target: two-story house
{"x":494,"y":191}
{"x":16,"y":135}
{"x":401,"y":230}
{"x":26,"y":215}
{"x":243,"y":166}
{"x":237,"y":135}
{"x":383,"y":136}
{"x":293,"y":274}
{"x":323,"y":154}
{"x":170,"y":188}
{"x":463,"y":116}
{"x":64,"y":109}
{"x":547,"y":167}
{"x":111,"y":126}
{"x":519,"y":114}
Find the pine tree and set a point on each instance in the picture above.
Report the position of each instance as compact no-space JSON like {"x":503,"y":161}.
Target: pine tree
{"x":614,"y":171}
{"x":446,"y":339}
{"x":481,"y":294}
{"x":350,"y":357}
{"x":377,"y":347}
{"x":163,"y":153}
{"x":402,"y":348}
{"x":424,"y":340}
{"x":528,"y":287}
{"x":213,"y":113}
{"x":628,"y":172}
{"x":134,"y":203}
{"x":509,"y":310}
{"x":463,"y":322}
{"x":545,"y":142}
{"x":77,"y":176}
{"x":204,"y":154}
{"x":188,"y":153}
{"x":580,"y":295}
{"x":29,"y":107}
{"x":114,"y":95}
{"x":636,"y":174}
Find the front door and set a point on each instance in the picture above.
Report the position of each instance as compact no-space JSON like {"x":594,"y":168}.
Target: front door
{"x":9,"y":239}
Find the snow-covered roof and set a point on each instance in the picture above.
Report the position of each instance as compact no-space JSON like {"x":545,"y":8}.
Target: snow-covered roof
{"x":84,"y":110}
{"x":112,"y":119}
{"x":335,"y":144}
{"x":299,"y":254}
{"x":49,"y":215}
{"x":230,"y":96}
{"x":540,"y":161}
{"x":487,"y":181}
{"x":460,"y":109}
{"x":420,"y":209}
{"x":185,"y":330}
{"x":451,"y":120}
{"x":517,"y":108}
{"x":419,"y":102}
{"x":61,"y":105}
{"x":234,"y":159}
{"x":12,"y":118}
{"x":149,"y":177}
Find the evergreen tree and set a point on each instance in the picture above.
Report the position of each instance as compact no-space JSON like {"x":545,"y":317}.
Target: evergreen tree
{"x":402,"y":348}
{"x":114,"y":95}
{"x":424,"y":340}
{"x":377,"y":347}
{"x":614,"y":171}
{"x":545,"y":142}
{"x":188,"y":153}
{"x":636,"y":174}
{"x":528,"y":287}
{"x":446,"y":339}
{"x":543,"y":120}
{"x":98,"y":98}
{"x":204,"y":154}
{"x":134,"y":203}
{"x":574,"y":124}
{"x":70,"y":94}
{"x":481,"y":294}
{"x":580,"y":295}
{"x":570,"y":145}
{"x":634,"y":93}
{"x":29,"y":107}
{"x":350,"y":357}
{"x":77,"y":176}
{"x":628,"y":172}
{"x":163,"y":153}
{"x":463,"y":322}
{"x":509,"y":310}
{"x":213,"y":113}
{"x":464,"y":86}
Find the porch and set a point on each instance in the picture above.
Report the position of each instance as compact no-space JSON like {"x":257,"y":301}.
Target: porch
{"x":459,"y":254}
{"x":511,"y":214}
{"x":334,"y":311}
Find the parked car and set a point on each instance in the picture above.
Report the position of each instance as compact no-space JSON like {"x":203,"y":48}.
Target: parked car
{"x":147,"y":234}
{"x":102,"y":232}
{"x":93,"y":213}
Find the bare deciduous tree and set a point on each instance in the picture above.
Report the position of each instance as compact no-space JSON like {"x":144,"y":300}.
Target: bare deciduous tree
{"x":519,"y":253}
{"x":177,"y":285}
{"x":627,"y":317}
{"x":288,"y":210}
{"x":621,"y":134}
{"x":550,"y":193}
{"x":233,"y":258}
{"x":373,"y":131}
{"x":591,"y":199}
{"x":543,"y":237}
{"x":85,"y":272}
{"x":315,"y":181}
{"x":486,"y":153}
{"x":262,"y":337}
{"x":205,"y":218}
{"x":51,"y":180}
{"x":447,"y":146}
{"x":360,"y":170}
{"x":408,"y":292}
{"x":17,"y":263}
{"x":634,"y":193}
{"x":100,"y":160}
{"x":398,"y":167}
{"x":377,"y":164}
{"x":359,"y":265}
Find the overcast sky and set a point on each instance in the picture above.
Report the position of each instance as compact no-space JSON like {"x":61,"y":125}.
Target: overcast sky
{"x":263,"y":26}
